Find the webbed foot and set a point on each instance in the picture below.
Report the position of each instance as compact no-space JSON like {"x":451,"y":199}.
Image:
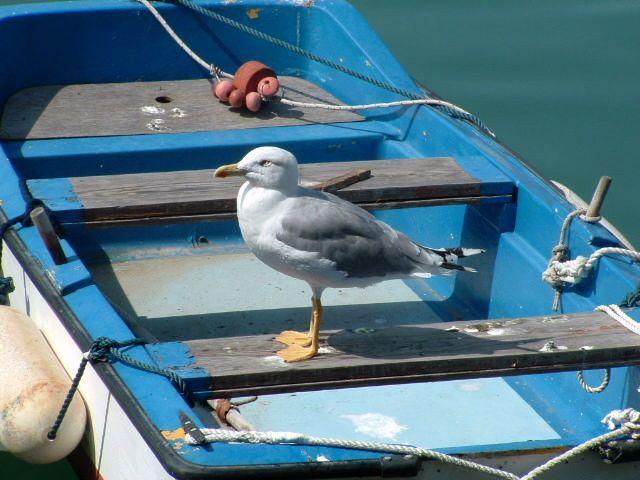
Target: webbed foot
{"x":297,"y":353}
{"x":291,"y":337}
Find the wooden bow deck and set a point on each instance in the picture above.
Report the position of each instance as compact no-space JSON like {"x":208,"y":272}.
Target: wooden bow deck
{"x":402,"y":354}
{"x":151,"y":108}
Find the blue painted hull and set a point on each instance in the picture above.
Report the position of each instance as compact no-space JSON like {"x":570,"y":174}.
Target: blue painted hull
{"x":152,"y":268}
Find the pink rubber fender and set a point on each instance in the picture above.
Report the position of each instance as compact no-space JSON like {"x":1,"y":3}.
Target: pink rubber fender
{"x":222,"y":90}
{"x":252,"y":82}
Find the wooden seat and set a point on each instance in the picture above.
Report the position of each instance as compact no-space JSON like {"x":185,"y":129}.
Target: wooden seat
{"x":240,"y":366}
{"x":147,"y":108}
{"x":393,"y":184}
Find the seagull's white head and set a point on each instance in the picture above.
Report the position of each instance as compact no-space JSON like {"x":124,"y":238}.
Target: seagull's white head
{"x":267,"y":167}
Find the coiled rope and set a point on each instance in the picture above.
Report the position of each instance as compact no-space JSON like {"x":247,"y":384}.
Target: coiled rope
{"x":624,"y":423}
{"x":106,"y":349}
{"x":446,"y":107}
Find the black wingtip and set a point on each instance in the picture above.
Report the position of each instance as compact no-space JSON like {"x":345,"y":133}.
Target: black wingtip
{"x":453,"y":266}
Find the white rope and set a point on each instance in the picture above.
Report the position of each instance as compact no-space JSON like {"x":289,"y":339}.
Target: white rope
{"x":573,"y":271}
{"x":625,"y":422}
{"x":371,"y":106}
{"x":600,"y":388}
{"x":561,"y":272}
{"x":628,"y":422}
{"x":217,"y":72}
{"x":274,"y":438}
{"x":615,"y":312}
{"x":209,"y":67}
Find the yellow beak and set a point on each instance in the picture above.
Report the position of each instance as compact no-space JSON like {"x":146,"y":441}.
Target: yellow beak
{"x":228,"y":171}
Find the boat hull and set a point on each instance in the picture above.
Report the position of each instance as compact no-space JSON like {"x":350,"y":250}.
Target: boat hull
{"x":113,"y":448}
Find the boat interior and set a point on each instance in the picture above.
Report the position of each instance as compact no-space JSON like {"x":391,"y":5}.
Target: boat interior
{"x":121,"y":150}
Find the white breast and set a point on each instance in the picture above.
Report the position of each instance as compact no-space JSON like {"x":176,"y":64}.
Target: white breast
{"x":260,"y":213}
{"x":256,"y":207}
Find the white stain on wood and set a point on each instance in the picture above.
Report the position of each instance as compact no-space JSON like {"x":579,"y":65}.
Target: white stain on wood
{"x":152,"y":110}
{"x":376,"y":425}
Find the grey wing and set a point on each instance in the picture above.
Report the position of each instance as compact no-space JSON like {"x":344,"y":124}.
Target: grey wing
{"x":358,"y":243}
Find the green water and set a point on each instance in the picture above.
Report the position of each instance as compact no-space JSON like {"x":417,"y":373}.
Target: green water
{"x":557,"y":81}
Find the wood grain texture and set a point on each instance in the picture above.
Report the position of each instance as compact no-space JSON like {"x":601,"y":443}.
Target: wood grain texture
{"x":402,"y":354}
{"x":165,"y":194}
{"x":97,"y":110}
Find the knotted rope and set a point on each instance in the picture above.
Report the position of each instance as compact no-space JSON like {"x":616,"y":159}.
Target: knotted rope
{"x":628,"y":419}
{"x":106,"y":349}
{"x":559,"y":253}
{"x":573,"y":271}
{"x":561,"y":272}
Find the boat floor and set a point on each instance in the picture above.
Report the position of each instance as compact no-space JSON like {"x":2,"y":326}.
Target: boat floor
{"x":213,"y":296}
{"x":429,"y":415}
{"x":249,"y":298}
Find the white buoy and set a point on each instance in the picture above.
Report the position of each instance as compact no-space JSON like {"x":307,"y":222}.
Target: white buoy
{"x":33,"y":386}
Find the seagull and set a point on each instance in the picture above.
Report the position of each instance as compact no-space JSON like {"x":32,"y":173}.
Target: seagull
{"x":321,"y":239}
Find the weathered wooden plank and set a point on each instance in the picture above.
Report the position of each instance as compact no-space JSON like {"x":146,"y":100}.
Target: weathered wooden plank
{"x":433,"y":202}
{"x":166,"y":194}
{"x":429,"y":352}
{"x":142,"y":108}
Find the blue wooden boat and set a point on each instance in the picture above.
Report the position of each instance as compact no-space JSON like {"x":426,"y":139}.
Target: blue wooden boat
{"x":110,"y":127}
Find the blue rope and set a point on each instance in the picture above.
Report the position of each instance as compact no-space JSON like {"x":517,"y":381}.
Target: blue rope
{"x":6,"y":287}
{"x":6,"y":283}
{"x":632,"y":299}
{"x":22,"y":218}
{"x":330,"y":63}
{"x":105,"y":349}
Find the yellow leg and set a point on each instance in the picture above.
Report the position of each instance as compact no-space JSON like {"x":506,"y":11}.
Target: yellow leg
{"x":296,"y":352}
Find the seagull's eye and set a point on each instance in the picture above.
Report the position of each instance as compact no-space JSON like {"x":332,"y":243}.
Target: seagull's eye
{"x":265,"y":163}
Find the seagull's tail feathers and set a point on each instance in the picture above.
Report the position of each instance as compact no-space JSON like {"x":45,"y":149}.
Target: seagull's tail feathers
{"x":451,"y":255}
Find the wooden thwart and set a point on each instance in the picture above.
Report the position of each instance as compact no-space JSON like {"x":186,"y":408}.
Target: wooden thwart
{"x":391,"y":184}
{"x":411,"y":353}
{"x":144,"y":108}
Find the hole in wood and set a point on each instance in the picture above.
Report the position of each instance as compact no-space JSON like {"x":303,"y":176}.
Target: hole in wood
{"x":164,"y":99}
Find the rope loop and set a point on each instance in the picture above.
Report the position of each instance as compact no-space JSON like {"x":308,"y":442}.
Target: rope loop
{"x":600,"y":388}
{"x":616,"y":313}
